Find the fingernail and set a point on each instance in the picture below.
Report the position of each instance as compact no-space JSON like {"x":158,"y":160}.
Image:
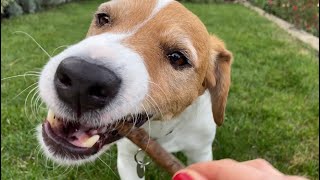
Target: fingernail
{"x":182,"y":176}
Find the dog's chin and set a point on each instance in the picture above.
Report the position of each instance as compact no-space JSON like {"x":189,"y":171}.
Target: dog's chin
{"x":71,"y":143}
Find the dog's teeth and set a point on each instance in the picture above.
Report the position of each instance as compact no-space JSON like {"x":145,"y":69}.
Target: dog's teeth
{"x":91,"y":141}
{"x":50,"y":117}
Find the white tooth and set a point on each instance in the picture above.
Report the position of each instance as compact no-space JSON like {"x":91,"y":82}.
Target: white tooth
{"x":91,"y":141}
{"x":50,"y":117}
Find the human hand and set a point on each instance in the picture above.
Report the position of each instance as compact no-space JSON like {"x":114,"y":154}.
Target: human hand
{"x":228,"y":169}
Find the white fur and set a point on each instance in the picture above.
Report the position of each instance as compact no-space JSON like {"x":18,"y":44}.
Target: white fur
{"x":192,"y":132}
{"x":160,"y":5}
{"x":105,"y":50}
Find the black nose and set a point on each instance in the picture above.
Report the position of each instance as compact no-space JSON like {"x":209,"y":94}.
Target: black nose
{"x":85,"y":86}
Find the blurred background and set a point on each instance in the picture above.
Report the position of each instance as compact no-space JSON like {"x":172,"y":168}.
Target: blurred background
{"x":303,"y":14}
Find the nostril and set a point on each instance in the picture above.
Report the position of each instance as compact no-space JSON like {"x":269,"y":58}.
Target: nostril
{"x":98,"y":91}
{"x":85,"y":86}
{"x":64,"y":79}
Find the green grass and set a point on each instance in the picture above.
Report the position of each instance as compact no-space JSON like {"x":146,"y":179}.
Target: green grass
{"x":273,"y":106}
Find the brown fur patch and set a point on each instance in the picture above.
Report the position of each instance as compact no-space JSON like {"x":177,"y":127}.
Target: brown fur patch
{"x":172,"y":90}
{"x":218,"y":78}
{"x":179,"y":87}
{"x":124,"y":14}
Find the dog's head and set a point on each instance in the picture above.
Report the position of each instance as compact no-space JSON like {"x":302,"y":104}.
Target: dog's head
{"x":141,"y":59}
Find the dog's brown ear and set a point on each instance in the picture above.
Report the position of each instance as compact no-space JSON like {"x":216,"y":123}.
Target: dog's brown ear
{"x":218,"y":78}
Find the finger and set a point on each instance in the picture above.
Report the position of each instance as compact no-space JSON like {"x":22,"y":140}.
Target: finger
{"x":188,"y":174}
{"x":230,"y":170}
{"x":262,"y":165}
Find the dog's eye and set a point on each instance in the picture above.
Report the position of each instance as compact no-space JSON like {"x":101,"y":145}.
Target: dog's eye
{"x":178,"y":59}
{"x":102,"y":19}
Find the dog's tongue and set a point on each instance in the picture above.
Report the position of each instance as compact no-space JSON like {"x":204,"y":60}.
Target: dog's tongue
{"x":82,"y":139}
{"x":78,"y":136}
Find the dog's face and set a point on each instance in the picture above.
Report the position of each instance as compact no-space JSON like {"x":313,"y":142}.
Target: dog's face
{"x":142,"y":59}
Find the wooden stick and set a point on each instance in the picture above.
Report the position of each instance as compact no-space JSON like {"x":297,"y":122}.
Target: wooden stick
{"x":159,"y":155}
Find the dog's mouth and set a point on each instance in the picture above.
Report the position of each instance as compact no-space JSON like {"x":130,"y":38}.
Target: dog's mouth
{"x":73,"y":140}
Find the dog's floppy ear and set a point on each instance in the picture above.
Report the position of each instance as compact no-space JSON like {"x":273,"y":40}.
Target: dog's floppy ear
{"x":218,"y":78}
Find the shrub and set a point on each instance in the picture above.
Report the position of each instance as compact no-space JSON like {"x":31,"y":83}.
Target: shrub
{"x":28,"y":6}
{"x":303,"y":14}
{"x":14,"y":9}
{"x":17,"y":7}
{"x":4,"y":4}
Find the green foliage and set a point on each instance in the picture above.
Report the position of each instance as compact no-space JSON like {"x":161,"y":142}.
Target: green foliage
{"x":303,"y":14}
{"x":14,"y":9}
{"x":18,"y":7}
{"x":4,"y":4}
{"x":28,"y":6}
{"x":272,"y":110}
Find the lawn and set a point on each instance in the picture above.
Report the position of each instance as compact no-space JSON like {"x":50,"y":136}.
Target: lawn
{"x":272,"y":111}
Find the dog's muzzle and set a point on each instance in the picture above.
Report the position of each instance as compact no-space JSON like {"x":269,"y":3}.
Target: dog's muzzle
{"x":83,"y":87}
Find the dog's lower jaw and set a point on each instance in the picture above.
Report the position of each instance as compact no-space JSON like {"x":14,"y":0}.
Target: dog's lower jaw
{"x":64,"y":161}
{"x":68,"y":142}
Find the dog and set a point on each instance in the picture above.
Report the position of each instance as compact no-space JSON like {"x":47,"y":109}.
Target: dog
{"x":150,"y":62}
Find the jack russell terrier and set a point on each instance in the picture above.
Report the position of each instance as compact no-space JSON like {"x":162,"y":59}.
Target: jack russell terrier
{"x":151,"y":62}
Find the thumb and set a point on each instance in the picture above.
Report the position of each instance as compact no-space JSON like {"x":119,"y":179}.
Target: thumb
{"x":188,"y":174}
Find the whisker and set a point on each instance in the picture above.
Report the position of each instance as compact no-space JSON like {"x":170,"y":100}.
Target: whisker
{"x":58,"y":48}
{"x":24,"y":91}
{"x":109,"y":167}
{"x":22,"y":75}
{"x":26,"y":100}
{"x":133,"y":118}
{"x":32,"y":103}
{"x":160,"y":89}
{"x":34,"y":41}
{"x":156,"y":104}
{"x":122,"y":124}
{"x":33,"y":72}
{"x":37,"y":105}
